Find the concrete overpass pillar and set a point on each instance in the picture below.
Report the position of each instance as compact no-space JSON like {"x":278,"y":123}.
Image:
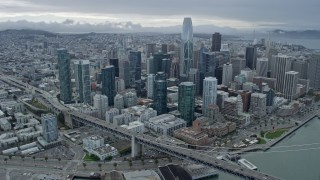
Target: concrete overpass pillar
{"x":68,"y":120}
{"x":136,"y":149}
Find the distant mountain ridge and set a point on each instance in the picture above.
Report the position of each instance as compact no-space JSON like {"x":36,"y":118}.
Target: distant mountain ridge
{"x":306,"y":34}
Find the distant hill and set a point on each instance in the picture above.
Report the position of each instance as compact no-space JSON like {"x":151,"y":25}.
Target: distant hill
{"x":306,"y":34}
{"x":28,"y":32}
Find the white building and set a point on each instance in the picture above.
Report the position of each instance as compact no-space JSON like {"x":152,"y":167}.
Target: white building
{"x":3,"y":94}
{"x":165,"y":124}
{"x":290,"y":85}
{"x":95,"y":145}
{"x":118,"y":102}
{"x":12,"y":107}
{"x":21,"y":118}
{"x":92,"y":142}
{"x":119,"y":83}
{"x":209,"y":95}
{"x":5,"y":125}
{"x":121,"y":119}
{"x":110,"y":114}
{"x":227,"y":74}
{"x":248,"y":73}
{"x":280,"y":64}
{"x":135,"y":126}
{"x":100,"y":102}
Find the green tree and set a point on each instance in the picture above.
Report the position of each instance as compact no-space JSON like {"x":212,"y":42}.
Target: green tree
{"x":34,"y":158}
{"x":6,"y":160}
{"x":142,"y":162}
{"x":115,"y":165}
{"x":59,"y":159}
{"x":84,"y":165}
{"x":169,"y":159}
{"x":10,"y":156}
{"x":99,"y":165}
{"x":46,"y":158}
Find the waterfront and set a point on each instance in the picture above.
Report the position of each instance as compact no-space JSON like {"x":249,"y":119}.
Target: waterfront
{"x":297,"y":157}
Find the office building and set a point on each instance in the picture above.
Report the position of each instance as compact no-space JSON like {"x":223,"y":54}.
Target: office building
{"x":108,"y":83}
{"x":237,"y":65}
{"x":186,"y":101}
{"x":150,"y":85}
{"x":227,"y":74}
{"x":165,"y":124}
{"x":251,"y":57}
{"x":290,"y":85}
{"x":110,"y":114}
{"x":175,"y":69}
{"x":221,"y":96}
{"x":194,"y":76}
{"x":64,"y":75}
{"x":186,"y":59}
{"x":130,"y":99}
{"x":118,"y":102}
{"x":209,"y":96}
{"x":83,"y":83}
{"x":160,"y":96}
{"x":258,"y":104}
{"x":166,"y":65}
{"x":216,"y":42}
{"x":135,"y":66}
{"x":280,"y":65}
{"x":49,"y":127}
{"x":124,"y":72}
{"x":157,"y":65}
{"x":262,"y":67}
{"x":300,"y":66}
{"x":164,"y":48}
{"x":314,"y":71}
{"x":100,"y":102}
{"x":151,"y":49}
{"x":115,"y":62}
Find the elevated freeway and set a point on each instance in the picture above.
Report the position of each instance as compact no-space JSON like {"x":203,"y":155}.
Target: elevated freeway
{"x":141,"y":139}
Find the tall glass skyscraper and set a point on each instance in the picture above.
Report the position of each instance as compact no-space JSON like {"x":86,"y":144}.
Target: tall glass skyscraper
{"x":186,"y":58}
{"x":160,"y":96}
{"x":64,"y":75}
{"x":108,"y":83}
{"x":186,"y":101}
{"x":135,"y":66}
{"x":209,"y":92}
{"x":83,"y":84}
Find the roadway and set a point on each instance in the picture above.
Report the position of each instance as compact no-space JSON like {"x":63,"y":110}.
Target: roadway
{"x":145,"y":139}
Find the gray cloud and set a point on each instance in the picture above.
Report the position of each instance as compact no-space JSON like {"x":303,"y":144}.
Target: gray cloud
{"x":294,"y":14}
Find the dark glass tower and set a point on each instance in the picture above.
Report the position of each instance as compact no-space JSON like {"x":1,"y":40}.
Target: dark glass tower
{"x":216,"y":42}
{"x":160,"y":96}
{"x":135,"y":66}
{"x":115,"y":62}
{"x":186,"y":101}
{"x":251,"y":57}
{"x":64,"y":75}
{"x":108,"y":83}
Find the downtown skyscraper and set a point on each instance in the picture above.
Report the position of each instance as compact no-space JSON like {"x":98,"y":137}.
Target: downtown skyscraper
{"x":186,"y":57}
{"x":108,"y":83}
{"x":186,"y":101}
{"x":83,"y":84}
{"x":64,"y":75}
{"x":209,"y":95}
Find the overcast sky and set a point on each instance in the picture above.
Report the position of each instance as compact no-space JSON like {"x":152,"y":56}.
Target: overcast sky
{"x":110,"y":15}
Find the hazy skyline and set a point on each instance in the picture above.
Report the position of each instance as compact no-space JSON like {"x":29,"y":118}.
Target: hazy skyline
{"x":65,"y":15}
